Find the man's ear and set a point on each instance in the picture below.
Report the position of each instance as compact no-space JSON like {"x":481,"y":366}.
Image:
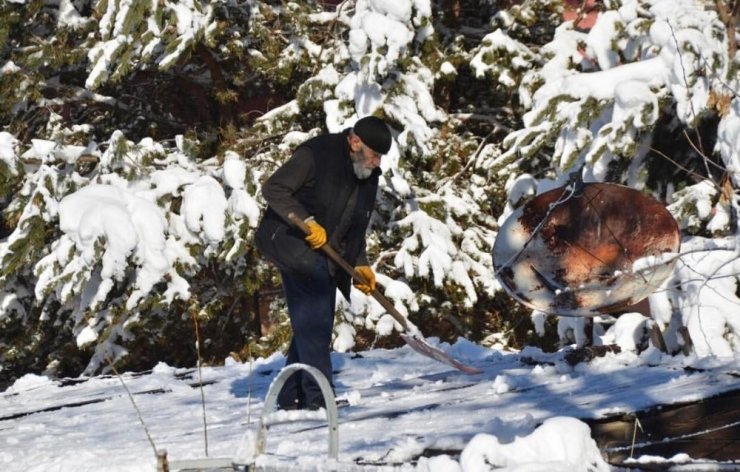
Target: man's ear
{"x":355,"y":143}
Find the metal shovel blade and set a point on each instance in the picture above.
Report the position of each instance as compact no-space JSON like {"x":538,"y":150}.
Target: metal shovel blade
{"x":423,"y":347}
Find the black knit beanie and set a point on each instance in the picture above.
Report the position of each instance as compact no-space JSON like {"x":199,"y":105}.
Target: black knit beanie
{"x":374,"y":133}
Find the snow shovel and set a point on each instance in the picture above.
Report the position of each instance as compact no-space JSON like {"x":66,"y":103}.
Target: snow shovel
{"x":412,"y":336}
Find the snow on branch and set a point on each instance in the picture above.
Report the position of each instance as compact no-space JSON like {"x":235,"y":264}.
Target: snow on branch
{"x":702,"y":297}
{"x":9,"y":152}
{"x":105,"y":249}
{"x":133,"y":32}
{"x":599,"y":93}
{"x":441,"y":251}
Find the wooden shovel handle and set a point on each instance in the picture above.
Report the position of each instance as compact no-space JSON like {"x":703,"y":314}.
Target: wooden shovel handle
{"x":334,"y":256}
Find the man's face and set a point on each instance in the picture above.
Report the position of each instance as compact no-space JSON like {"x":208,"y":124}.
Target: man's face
{"x":364,"y":159}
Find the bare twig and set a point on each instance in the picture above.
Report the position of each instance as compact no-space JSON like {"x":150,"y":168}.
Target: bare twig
{"x":719,"y":79}
{"x":634,"y":435}
{"x":701,"y":152}
{"x":700,"y":149}
{"x":729,"y":18}
{"x":473,"y":159}
{"x":133,"y":402}
{"x":497,"y":126}
{"x":249,"y":387}
{"x":200,"y":380}
{"x":691,"y":172}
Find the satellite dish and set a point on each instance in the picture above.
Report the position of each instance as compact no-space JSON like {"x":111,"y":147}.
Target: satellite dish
{"x":586,"y":250}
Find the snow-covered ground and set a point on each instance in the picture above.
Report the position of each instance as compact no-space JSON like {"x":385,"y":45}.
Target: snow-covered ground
{"x":520,"y":412}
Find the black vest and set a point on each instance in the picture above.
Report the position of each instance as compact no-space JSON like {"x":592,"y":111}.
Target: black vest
{"x":325,"y":198}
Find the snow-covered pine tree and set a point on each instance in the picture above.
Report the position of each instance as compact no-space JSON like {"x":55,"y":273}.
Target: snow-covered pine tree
{"x":113,"y":241}
{"x":639,"y":100}
{"x":431,"y":235}
{"x":323,"y":69}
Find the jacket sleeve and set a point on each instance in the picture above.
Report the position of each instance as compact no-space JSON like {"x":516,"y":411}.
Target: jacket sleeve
{"x":280,"y":188}
{"x":362,"y":256}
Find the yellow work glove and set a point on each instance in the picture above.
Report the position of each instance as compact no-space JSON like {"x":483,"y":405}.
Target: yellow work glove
{"x":367,"y":273}
{"x":317,"y":237}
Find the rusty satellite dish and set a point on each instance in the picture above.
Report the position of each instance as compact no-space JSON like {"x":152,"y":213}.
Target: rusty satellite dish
{"x":586,"y":250}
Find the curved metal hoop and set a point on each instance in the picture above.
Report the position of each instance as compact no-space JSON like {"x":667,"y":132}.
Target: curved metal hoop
{"x":271,"y":406}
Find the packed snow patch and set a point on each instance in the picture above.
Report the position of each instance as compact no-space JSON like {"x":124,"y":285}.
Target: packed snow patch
{"x":559,"y":444}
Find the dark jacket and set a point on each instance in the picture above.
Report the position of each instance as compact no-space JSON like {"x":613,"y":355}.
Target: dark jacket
{"x":317,"y":181}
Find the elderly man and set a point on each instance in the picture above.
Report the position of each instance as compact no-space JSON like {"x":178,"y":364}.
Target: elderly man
{"x":330,"y":182}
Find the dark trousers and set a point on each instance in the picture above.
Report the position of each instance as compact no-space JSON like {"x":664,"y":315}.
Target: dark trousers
{"x":311,"y":300}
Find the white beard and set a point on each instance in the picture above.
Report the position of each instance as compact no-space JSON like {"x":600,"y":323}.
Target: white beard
{"x":358,"y":165}
{"x":361,"y":171}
